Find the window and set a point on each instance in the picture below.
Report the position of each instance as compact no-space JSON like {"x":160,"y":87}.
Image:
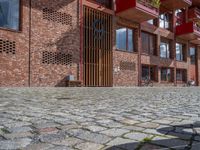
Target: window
{"x":179,"y":52}
{"x":192,"y":55}
{"x":149,"y":71}
{"x":166,"y":74}
{"x":151,"y":21}
{"x":148,"y":43}
{"x":9,"y":14}
{"x":145,"y":72}
{"x":180,"y":17}
{"x":164,"y":50}
{"x":165,"y":21}
{"x":181,"y":75}
{"x":125,"y":39}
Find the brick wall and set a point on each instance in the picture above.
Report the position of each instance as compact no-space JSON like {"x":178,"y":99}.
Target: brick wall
{"x":55,"y":41}
{"x":14,"y":66}
{"x":54,"y":45}
{"x":125,"y":64}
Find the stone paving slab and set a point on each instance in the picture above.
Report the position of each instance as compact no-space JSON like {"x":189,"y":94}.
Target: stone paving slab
{"x":99,"y":118}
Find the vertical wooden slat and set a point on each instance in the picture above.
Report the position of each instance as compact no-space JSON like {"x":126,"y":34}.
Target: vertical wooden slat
{"x":97,"y":49}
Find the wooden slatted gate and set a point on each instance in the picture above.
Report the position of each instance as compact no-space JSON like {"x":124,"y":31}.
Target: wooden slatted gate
{"x":97,"y":48}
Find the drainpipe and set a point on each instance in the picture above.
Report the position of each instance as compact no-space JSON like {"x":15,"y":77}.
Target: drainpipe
{"x":29,"y":61}
{"x":81,"y":39}
{"x":139,"y":55}
{"x":174,"y":46}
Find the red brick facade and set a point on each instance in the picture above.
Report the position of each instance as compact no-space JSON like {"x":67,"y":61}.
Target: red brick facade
{"x":47,"y":48}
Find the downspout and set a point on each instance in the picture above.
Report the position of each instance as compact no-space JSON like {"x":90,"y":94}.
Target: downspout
{"x":139,"y":55}
{"x":174,"y":46}
{"x":81,"y":39}
{"x":29,"y":63}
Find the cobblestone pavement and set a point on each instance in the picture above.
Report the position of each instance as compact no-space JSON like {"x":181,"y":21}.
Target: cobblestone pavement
{"x":100,"y":118}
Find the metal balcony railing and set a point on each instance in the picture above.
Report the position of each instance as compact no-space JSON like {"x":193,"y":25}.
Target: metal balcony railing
{"x":197,"y":12}
{"x":149,"y":4}
{"x":196,"y":27}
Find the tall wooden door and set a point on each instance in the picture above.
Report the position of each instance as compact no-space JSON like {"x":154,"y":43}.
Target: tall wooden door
{"x":97,"y":45}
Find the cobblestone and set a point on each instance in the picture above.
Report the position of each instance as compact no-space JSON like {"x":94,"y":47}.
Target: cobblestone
{"x":99,"y":118}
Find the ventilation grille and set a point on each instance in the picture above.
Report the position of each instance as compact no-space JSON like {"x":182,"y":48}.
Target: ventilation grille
{"x":8,"y":47}
{"x":56,"y":58}
{"x":127,"y":65}
{"x":55,"y":16}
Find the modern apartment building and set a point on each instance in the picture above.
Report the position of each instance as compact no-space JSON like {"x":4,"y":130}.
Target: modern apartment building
{"x":99,"y":42}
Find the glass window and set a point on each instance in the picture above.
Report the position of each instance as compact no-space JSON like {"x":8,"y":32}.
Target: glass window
{"x":164,"y":50}
{"x":179,"y":52}
{"x":179,"y":17}
{"x":125,"y":39}
{"x":148,"y":43}
{"x":121,"y":38}
{"x":164,"y":21}
{"x":192,"y":55}
{"x":9,"y":14}
{"x":151,"y":21}
{"x":130,"y":40}
{"x":166,"y":74}
{"x":145,"y":72}
{"x":181,"y":75}
{"x":148,"y":72}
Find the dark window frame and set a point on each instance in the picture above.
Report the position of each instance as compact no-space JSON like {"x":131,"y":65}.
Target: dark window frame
{"x":127,"y":40}
{"x":166,"y":19}
{"x":19,"y":21}
{"x":150,"y":68}
{"x":170,"y":78}
{"x":183,"y":73}
{"x":150,"y":37}
{"x":166,"y":42}
{"x":183,"y":53}
{"x":192,"y":56}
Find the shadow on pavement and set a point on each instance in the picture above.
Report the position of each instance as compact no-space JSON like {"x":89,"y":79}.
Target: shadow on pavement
{"x":176,"y":137}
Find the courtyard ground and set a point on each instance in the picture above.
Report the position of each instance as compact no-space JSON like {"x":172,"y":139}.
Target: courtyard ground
{"x":100,"y":118}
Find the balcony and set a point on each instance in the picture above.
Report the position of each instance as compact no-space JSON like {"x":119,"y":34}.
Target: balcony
{"x":136,"y":10}
{"x":194,"y":14}
{"x":174,"y":4}
{"x":189,"y":31}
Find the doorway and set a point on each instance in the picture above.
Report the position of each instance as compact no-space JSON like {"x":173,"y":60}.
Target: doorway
{"x":97,"y":48}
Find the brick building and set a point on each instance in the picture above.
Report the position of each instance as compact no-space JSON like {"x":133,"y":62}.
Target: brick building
{"x":99,"y":42}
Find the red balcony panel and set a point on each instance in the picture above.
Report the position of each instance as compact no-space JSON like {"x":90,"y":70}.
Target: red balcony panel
{"x":136,"y":10}
{"x":194,"y":14}
{"x":188,"y":31}
{"x":175,"y":4}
